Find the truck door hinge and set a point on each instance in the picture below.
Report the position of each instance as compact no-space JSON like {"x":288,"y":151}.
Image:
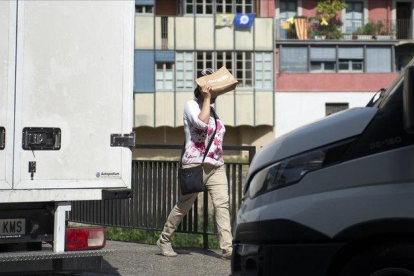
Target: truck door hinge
{"x":2,"y":138}
{"x":126,"y":140}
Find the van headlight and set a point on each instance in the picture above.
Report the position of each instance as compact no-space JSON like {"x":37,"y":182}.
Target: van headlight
{"x":291,"y":170}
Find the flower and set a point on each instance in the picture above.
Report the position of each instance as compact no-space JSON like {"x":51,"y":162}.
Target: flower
{"x":324,"y":22}
{"x":291,"y":20}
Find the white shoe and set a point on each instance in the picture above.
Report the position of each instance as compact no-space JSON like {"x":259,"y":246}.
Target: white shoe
{"x":166,"y":249}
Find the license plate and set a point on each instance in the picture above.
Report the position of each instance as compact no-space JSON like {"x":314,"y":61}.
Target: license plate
{"x":12,"y":227}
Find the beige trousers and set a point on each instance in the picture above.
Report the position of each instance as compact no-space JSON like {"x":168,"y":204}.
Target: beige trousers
{"x":215,"y":181}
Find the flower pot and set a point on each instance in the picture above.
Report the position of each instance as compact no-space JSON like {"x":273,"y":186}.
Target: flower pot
{"x":320,"y":37}
{"x":364,"y":37}
{"x":347,"y":37}
{"x":384,"y":37}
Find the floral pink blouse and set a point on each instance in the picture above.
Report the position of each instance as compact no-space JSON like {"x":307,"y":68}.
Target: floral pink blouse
{"x":198,"y":135}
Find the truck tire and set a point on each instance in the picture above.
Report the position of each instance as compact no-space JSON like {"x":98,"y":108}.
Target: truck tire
{"x":387,"y":260}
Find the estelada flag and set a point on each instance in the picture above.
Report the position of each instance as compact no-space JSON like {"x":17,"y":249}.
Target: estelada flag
{"x":243,"y":20}
{"x":224,"y":19}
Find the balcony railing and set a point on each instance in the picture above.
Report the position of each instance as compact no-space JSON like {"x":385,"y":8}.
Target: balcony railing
{"x":314,"y":29}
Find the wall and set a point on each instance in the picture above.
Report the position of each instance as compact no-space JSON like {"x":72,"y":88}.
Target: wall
{"x":336,"y":82}
{"x":309,"y":8}
{"x":246,"y":136}
{"x":294,"y":110}
{"x":267,"y":8}
{"x":380,"y":9}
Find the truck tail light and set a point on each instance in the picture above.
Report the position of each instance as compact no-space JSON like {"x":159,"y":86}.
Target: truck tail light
{"x":85,"y":238}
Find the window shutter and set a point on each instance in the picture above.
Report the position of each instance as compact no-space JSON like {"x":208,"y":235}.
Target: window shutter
{"x":294,"y":59}
{"x":144,"y":73}
{"x":144,"y":2}
{"x":351,"y":53}
{"x":323,"y":54}
{"x":165,"y":56}
{"x":379,"y":60}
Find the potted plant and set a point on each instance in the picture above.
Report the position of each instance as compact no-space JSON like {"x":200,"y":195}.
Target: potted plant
{"x":382,"y":32}
{"x":366,"y":32}
{"x":329,"y":26}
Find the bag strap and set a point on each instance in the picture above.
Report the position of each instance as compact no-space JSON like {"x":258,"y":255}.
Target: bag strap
{"x":212,"y":137}
{"x":207,"y":70}
{"x":209,"y":143}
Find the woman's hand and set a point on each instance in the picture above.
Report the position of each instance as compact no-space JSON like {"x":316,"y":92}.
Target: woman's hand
{"x":206,"y":91}
{"x":205,"y":110}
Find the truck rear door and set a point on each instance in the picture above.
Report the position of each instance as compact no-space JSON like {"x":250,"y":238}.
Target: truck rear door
{"x":73,"y":90}
{"x":7,"y":80}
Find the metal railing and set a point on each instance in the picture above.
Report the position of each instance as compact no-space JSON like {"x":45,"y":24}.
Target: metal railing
{"x":348,"y":30}
{"x":155,"y":192}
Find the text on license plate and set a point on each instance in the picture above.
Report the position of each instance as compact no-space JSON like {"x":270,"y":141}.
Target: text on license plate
{"x":12,"y":227}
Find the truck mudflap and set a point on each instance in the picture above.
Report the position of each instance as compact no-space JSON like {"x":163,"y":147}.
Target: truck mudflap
{"x":49,"y":261}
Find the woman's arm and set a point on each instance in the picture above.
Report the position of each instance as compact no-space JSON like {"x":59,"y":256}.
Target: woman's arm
{"x":205,"y":110}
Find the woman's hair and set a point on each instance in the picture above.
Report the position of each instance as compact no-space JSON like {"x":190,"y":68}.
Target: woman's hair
{"x":197,"y":92}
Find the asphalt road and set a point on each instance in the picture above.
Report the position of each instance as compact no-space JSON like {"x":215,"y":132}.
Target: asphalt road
{"x":131,"y":259}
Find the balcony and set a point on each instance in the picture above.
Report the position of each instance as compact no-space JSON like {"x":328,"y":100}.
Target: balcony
{"x":315,"y":29}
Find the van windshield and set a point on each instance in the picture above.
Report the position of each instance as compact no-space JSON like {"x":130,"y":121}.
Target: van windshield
{"x":379,"y":101}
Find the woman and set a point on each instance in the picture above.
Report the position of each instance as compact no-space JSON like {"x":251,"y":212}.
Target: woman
{"x":199,"y":125}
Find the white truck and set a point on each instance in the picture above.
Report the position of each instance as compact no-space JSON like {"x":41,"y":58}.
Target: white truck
{"x":66,"y":82}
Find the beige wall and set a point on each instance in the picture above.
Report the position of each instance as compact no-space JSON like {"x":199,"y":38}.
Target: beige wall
{"x":240,"y":136}
{"x":144,"y":32}
{"x":264,"y":34}
{"x":184,"y":33}
{"x":204,"y":33}
{"x":144,"y":109}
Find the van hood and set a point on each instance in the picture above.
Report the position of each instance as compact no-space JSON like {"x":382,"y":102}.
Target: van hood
{"x":336,"y":127}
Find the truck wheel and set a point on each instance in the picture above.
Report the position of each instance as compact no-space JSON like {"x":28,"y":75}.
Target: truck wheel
{"x":390,"y":260}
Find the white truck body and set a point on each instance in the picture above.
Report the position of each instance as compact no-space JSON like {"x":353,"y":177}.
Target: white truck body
{"x":66,"y":65}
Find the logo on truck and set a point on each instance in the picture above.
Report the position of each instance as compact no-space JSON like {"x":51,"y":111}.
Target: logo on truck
{"x":108,"y":175}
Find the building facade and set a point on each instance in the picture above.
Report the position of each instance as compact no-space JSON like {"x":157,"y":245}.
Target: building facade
{"x":285,"y":80}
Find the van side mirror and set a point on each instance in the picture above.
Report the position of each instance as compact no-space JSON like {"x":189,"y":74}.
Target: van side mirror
{"x":408,"y":99}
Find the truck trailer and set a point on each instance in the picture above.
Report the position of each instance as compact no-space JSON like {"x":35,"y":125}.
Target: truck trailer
{"x":66,"y":117}
{"x":335,"y":197}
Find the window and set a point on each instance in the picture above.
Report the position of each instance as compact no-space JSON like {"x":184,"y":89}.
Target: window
{"x":165,"y":76}
{"x":323,"y":59}
{"x":244,"y":6}
{"x":244,"y":69}
{"x":199,"y":6}
{"x":144,"y":9}
{"x":164,"y":32}
{"x":351,"y":59}
{"x":204,"y":61}
{"x":185,"y":71}
{"x":263,"y":70}
{"x":354,"y":17}
{"x":379,"y":59}
{"x":323,"y":66}
{"x":294,"y":59}
{"x":331,"y":108}
{"x":224,"y":6}
{"x":225,"y":59}
{"x":288,"y":9}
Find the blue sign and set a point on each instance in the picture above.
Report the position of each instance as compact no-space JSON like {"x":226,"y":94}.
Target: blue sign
{"x":243,"y":20}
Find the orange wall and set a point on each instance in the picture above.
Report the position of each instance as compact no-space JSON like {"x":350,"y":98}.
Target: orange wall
{"x":337,"y":82}
{"x":308,"y":8}
{"x":380,"y":9}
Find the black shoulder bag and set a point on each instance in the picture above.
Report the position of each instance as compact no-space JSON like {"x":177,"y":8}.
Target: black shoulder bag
{"x":191,"y":179}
